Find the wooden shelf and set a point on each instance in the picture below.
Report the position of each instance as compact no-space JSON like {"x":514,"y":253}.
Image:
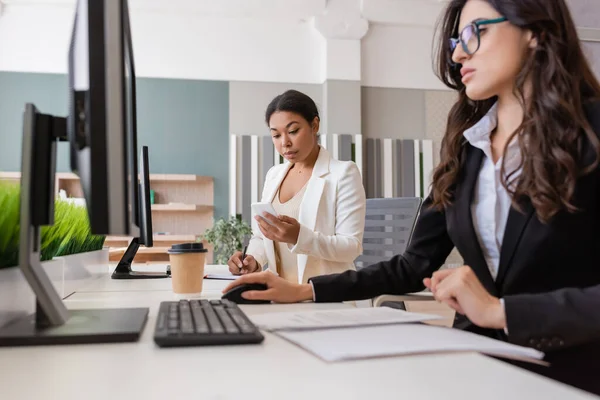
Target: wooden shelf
{"x":151,"y":254}
{"x":67,"y":176}
{"x":178,"y":178}
{"x":173,"y":238}
{"x":10,"y":175}
{"x":160,"y":238}
{"x":143,"y":254}
{"x":181,"y":207}
{"x":153,"y":177}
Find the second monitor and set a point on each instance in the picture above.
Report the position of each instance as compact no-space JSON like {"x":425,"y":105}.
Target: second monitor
{"x":123,"y":269}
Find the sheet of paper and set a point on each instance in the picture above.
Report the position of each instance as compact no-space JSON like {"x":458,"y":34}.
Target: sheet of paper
{"x":225,"y":277}
{"x":401,"y":339}
{"x":337,"y":318}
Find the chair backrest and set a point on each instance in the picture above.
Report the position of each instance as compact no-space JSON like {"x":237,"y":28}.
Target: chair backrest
{"x":389,"y":225}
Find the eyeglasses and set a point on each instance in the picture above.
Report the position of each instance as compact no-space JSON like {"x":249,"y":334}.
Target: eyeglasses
{"x":470,"y":38}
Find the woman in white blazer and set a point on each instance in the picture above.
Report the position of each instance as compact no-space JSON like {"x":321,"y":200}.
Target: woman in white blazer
{"x":320,"y":201}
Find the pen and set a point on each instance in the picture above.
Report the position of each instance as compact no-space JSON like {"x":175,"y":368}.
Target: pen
{"x":244,"y":256}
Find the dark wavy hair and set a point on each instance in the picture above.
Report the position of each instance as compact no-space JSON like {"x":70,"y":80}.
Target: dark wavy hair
{"x":554,"y":123}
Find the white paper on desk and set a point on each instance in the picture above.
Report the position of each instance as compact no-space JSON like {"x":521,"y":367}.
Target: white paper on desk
{"x":403,"y":339}
{"x":224,"y":277}
{"x":321,"y":319}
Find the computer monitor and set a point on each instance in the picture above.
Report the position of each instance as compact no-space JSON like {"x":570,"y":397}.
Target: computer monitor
{"x":123,"y":269}
{"x":145,"y":206}
{"x":102,"y":119}
{"x":101,"y":132}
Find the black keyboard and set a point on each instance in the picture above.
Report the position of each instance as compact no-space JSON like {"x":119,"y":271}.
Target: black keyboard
{"x":203,"y":323}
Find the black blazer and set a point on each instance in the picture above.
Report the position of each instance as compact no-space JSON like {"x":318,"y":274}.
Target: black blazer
{"x":549,"y":274}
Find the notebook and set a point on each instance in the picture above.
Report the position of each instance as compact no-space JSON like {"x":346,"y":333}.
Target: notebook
{"x":224,"y":277}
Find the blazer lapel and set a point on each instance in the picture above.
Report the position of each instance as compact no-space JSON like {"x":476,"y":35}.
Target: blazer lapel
{"x":274,"y":184}
{"x":310,"y":202}
{"x":515,"y":225}
{"x":464,"y":220}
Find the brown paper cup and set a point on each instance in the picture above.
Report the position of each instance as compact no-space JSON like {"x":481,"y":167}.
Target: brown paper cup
{"x":187,"y":268}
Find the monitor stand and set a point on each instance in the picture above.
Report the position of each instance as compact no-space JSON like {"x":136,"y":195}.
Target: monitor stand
{"x":124,"y":271}
{"x":81,"y":327}
{"x":52,"y":323}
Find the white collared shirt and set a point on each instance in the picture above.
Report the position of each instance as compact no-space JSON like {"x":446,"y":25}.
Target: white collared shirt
{"x":491,"y":201}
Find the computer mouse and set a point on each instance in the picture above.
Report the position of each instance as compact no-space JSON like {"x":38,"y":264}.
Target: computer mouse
{"x":235,"y":294}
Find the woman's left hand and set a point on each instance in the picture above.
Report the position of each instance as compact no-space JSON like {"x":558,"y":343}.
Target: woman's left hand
{"x":282,"y":229}
{"x":461,"y":290}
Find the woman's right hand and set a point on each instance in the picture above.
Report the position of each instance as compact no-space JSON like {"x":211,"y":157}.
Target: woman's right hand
{"x":278,"y":289}
{"x":239,"y":267}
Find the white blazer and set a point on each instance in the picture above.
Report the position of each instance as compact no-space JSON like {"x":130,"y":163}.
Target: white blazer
{"x":332,"y":219}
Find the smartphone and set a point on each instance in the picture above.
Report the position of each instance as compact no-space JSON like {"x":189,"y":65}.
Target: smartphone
{"x":260,"y":208}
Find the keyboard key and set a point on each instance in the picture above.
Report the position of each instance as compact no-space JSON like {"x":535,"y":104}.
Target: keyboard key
{"x":230,"y":327}
{"x":185,"y":315}
{"x":187,"y":329}
{"x":244,"y":325}
{"x":213,"y":321}
{"x":200,"y":320}
{"x":161,"y":322}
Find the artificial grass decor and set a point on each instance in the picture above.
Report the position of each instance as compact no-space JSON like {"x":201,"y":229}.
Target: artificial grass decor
{"x":70,"y":233}
{"x":9,"y":224}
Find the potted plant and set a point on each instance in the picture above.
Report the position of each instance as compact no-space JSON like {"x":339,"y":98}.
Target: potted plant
{"x":226,"y":236}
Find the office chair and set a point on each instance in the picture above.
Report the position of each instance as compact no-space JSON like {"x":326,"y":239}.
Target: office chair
{"x":389,"y":225}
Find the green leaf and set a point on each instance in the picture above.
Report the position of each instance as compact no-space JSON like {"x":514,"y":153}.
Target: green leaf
{"x":227,"y":236}
{"x":70,"y":233}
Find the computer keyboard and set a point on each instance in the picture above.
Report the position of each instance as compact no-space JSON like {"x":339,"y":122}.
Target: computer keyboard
{"x":203,"y":323}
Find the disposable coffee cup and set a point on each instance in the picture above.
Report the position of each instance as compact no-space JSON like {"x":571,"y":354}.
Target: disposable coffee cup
{"x":187,"y":267}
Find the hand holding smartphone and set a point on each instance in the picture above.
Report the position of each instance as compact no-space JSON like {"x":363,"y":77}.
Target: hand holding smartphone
{"x":260,"y":208}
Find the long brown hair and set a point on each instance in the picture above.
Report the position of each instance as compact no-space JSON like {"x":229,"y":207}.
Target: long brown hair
{"x":554,"y":123}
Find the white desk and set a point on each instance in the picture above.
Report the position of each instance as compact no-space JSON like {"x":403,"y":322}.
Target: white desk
{"x":274,"y":369}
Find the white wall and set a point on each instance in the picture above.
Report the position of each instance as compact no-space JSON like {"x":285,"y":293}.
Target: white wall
{"x":399,"y":57}
{"x":248,"y":102}
{"x":36,"y":38}
{"x":393,"y":113}
{"x":227,"y":49}
{"x":250,"y":40}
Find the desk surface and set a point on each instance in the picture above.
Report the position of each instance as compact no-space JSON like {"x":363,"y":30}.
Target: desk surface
{"x":274,"y":369}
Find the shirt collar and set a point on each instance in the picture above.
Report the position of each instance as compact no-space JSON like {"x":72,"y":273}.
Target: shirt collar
{"x":479,"y":134}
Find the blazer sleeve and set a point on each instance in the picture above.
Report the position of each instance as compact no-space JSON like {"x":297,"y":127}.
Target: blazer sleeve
{"x":404,"y":273}
{"x":554,"y":320}
{"x":346,"y":244}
